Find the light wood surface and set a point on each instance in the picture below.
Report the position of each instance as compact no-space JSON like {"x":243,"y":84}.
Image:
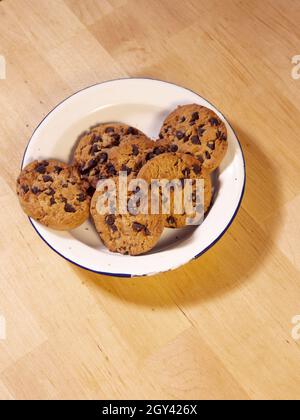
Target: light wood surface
{"x":219,"y":327}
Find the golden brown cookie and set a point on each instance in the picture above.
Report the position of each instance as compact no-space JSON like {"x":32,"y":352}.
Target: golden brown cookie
{"x":129,"y":156}
{"x":196,"y":130}
{"x":89,"y":155}
{"x":132,"y":234}
{"x":51,"y":192}
{"x":181,"y":167}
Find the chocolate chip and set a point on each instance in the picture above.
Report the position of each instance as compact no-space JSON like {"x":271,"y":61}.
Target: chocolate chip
{"x":138,"y":227}
{"x":192,"y":122}
{"x":150,"y":156}
{"x":89,"y":166}
{"x":182,"y":119}
{"x":57,"y":169}
{"x":109,"y":130}
{"x":94,"y":149}
{"x":200,"y":158}
{"x":95,"y":139}
{"x":25,"y":188}
{"x":50,"y":191}
{"x":52,"y":201}
{"x":132,"y":130}
{"x":195,"y":116}
{"x":41,"y":169}
{"x":135,"y":150}
{"x":161,"y":136}
{"x":111,"y":170}
{"x":186,"y":172}
{"x":90,"y":191}
{"x":126,"y":169}
{"x":102,"y":157}
{"x":47,"y":178}
{"x":81,"y":197}
{"x":158,"y":150}
{"x":65,"y":185}
{"x":171,"y":220}
{"x":116,"y":138}
{"x":69,"y":208}
{"x":195,"y":140}
{"x":179,"y":135}
{"x":201,"y":130}
{"x":221,"y":136}
{"x":147,"y":231}
{"x":173,"y":148}
{"x":186,"y":138}
{"x":211,"y":145}
{"x":207,"y":155}
{"x":114,"y":228}
{"x":35,"y":190}
{"x":110,"y":219}
{"x":197,"y":169}
{"x":214,"y":122}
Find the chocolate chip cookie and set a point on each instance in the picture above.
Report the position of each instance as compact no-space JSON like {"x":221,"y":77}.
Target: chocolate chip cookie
{"x":179,"y":167}
{"x":91,"y":151}
{"x":129,"y":157}
{"x":196,"y":130}
{"x":130,"y":233}
{"x":51,"y":192}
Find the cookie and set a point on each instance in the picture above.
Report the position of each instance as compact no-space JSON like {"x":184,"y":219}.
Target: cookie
{"x":181,"y":167}
{"x":129,"y":234}
{"x":129,"y":157}
{"x":51,"y":192}
{"x":164,"y":146}
{"x":89,"y":155}
{"x":196,"y":130}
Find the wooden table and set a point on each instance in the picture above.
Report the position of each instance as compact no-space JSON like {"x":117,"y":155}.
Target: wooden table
{"x":218,"y":328}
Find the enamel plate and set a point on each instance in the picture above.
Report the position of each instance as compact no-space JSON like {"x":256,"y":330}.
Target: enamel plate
{"x":143,"y":103}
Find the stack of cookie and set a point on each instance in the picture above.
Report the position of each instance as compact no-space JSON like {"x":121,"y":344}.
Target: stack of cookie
{"x":192,"y":143}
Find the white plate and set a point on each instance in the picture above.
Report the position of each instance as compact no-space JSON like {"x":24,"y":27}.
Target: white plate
{"x":143,"y":103}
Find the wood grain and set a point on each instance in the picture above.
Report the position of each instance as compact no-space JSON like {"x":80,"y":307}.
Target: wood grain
{"x":217,"y":328}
